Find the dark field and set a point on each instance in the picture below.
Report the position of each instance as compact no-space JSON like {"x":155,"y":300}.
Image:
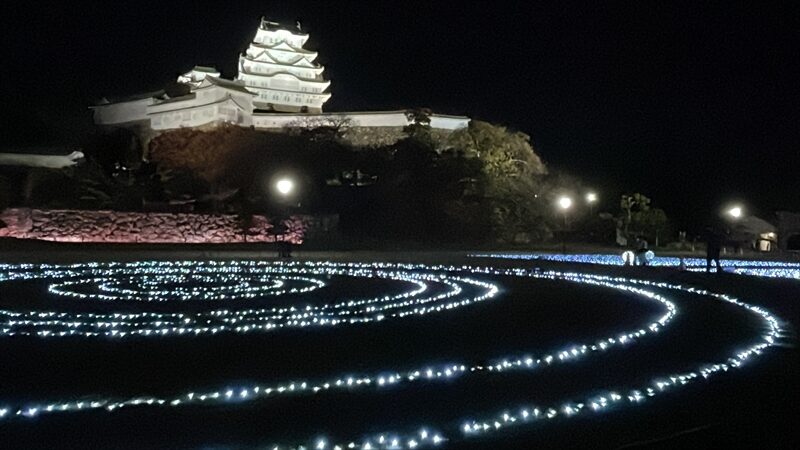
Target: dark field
{"x":754,"y":407}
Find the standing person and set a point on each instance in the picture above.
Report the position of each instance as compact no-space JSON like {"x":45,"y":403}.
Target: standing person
{"x":713,"y":247}
{"x":641,"y":251}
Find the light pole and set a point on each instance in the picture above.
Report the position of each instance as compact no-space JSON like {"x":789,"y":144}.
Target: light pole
{"x":591,"y":198}
{"x":285,"y":187}
{"x":735,"y":213}
{"x":564,"y":203}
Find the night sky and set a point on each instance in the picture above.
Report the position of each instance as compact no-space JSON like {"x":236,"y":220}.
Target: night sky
{"x":690,"y":104}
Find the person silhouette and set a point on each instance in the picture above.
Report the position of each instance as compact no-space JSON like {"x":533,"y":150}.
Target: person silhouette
{"x":641,"y":251}
{"x":713,"y":248}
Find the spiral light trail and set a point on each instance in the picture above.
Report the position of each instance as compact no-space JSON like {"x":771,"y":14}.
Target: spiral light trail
{"x":428,"y":289}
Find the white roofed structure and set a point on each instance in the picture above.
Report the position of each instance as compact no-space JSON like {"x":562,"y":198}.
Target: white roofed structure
{"x":212,"y":100}
{"x":279,"y":86}
{"x":198,"y":73}
{"x":281,"y":73}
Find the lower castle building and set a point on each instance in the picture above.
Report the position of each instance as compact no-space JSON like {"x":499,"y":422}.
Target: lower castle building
{"x":279,"y":86}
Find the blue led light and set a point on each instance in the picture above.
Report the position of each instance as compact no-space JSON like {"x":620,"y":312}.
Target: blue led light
{"x":764,"y":268}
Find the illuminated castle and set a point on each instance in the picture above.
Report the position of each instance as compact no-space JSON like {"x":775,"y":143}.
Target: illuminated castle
{"x":278,"y":86}
{"x":281,"y":73}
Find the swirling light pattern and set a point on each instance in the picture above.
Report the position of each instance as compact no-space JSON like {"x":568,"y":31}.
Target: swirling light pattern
{"x":401,"y":305}
{"x":162,"y":282}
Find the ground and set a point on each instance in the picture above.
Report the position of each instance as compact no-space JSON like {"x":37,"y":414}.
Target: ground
{"x":753,"y":407}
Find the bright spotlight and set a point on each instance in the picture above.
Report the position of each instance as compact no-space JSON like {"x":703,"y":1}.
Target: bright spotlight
{"x":735,"y":212}
{"x":285,"y":186}
{"x":564,"y":202}
{"x":591,"y":197}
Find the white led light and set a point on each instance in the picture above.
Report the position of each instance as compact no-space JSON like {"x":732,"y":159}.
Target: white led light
{"x":230,"y":281}
{"x":452,"y":287}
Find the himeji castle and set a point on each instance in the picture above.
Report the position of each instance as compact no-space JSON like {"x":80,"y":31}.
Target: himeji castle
{"x":279,"y":85}
{"x":281,"y":73}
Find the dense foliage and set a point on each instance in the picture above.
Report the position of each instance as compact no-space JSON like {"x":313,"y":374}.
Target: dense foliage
{"x":640,"y":219}
{"x":484,"y":183}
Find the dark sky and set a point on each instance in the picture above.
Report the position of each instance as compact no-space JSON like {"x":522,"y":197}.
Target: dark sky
{"x":690,"y":104}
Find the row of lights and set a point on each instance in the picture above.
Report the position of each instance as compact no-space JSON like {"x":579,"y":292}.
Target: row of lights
{"x":448,"y":293}
{"x":499,"y":422}
{"x":598,"y":403}
{"x":565,"y":202}
{"x":741,"y":266}
{"x":166,"y":287}
{"x":395,"y":377}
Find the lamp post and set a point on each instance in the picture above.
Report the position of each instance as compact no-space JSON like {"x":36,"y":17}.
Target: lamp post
{"x":564,"y":203}
{"x":591,"y":199}
{"x":735,"y":213}
{"x":285,"y":187}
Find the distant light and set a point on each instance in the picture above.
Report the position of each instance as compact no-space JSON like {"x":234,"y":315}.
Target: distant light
{"x":628,"y":257}
{"x":564,"y":202}
{"x":591,"y":197}
{"x":735,"y":212}
{"x":285,"y":186}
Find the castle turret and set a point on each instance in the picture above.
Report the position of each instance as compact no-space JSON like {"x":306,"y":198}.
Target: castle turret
{"x":281,"y":73}
{"x":196,"y":76}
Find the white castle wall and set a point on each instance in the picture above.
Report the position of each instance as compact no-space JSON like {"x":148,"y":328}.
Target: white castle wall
{"x":122,"y":112}
{"x":376,"y":119}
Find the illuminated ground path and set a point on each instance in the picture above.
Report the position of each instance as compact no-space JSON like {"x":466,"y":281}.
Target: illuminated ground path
{"x":577,"y":345}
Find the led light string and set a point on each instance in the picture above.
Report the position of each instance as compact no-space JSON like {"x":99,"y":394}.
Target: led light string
{"x":469,"y":428}
{"x":351,"y":311}
{"x":239,"y":288}
{"x":764,"y":272}
{"x":764,"y":268}
{"x":771,"y":272}
{"x":601,"y":402}
{"x":386,"y":378}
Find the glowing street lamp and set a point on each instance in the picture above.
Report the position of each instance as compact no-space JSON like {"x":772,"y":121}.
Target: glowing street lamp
{"x":734,"y":213}
{"x":284,"y":186}
{"x":591,"y":199}
{"x":564,"y":203}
